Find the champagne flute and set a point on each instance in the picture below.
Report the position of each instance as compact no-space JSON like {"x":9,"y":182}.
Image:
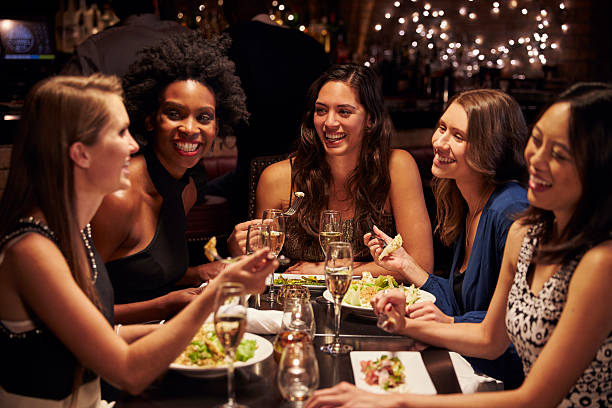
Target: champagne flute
{"x":230,"y":325}
{"x":338,"y":276}
{"x":298,"y":373}
{"x":258,"y":237}
{"x":275,"y":220}
{"x":330,"y":228}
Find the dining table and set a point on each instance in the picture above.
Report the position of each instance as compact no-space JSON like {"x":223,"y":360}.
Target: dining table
{"x":255,"y":385}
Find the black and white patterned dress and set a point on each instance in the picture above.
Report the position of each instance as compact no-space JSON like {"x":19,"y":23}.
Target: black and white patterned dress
{"x":531,"y":320}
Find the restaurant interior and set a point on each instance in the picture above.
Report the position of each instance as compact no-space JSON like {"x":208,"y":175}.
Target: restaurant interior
{"x":425,"y":51}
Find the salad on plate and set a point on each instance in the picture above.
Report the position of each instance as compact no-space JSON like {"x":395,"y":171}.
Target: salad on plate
{"x":361,"y":292}
{"x":385,"y":372}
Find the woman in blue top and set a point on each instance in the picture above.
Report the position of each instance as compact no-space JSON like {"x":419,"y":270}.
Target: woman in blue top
{"x":477,"y":168}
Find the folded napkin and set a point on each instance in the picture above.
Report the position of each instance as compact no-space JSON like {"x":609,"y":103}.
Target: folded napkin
{"x":260,"y":321}
{"x":264,"y":321}
{"x":471,"y":382}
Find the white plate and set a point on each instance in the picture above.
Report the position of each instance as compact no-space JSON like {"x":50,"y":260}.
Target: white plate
{"x":320,"y":278}
{"x":367,"y":311}
{"x":263,"y":351}
{"x":417,"y":378}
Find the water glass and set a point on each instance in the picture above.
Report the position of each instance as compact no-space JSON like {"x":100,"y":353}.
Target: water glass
{"x":298,"y":373}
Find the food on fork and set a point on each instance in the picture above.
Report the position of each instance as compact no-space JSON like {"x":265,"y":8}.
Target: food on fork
{"x":210,"y":249}
{"x":299,"y":194}
{"x":393,"y":245}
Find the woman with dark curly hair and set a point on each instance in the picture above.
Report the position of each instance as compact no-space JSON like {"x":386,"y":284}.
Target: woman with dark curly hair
{"x":56,"y":301}
{"x":180,"y":95}
{"x":344,"y":163}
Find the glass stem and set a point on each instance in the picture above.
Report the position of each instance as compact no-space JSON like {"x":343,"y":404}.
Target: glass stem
{"x":337,"y":305}
{"x":231,"y":395}
{"x":272,"y":289}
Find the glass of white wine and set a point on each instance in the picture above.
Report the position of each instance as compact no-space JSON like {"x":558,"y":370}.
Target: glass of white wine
{"x":275,"y":220}
{"x":338,"y":277}
{"x":298,"y":373}
{"x":258,"y":237}
{"x":330,"y":228}
{"x":230,"y":325}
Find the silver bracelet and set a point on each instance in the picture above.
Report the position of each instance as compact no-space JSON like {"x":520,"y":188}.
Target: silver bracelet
{"x":117,"y":329}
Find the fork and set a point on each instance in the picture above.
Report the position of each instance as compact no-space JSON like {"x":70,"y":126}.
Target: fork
{"x":382,"y":242}
{"x":299,"y":197}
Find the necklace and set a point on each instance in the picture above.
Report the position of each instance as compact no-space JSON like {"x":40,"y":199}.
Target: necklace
{"x":86,"y":235}
{"x":471,"y":218}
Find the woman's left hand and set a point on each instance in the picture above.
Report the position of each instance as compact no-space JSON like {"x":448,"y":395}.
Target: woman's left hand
{"x":428,"y":311}
{"x":347,"y":395}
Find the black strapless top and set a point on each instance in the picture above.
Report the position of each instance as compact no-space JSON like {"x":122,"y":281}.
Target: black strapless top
{"x":36,"y":363}
{"x":154,"y":271}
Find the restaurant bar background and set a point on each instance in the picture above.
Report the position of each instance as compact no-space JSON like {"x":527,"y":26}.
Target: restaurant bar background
{"x":425,"y":50}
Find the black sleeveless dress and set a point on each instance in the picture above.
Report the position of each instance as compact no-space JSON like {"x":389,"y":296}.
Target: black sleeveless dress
{"x":35,"y":363}
{"x":154,"y":271}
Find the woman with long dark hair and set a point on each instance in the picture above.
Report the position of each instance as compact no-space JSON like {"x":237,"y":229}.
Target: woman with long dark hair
{"x":344,"y":162}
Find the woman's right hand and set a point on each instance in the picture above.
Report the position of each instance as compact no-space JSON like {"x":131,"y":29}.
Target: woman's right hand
{"x":391,"y":302}
{"x":250,"y":270}
{"x":398,"y":261}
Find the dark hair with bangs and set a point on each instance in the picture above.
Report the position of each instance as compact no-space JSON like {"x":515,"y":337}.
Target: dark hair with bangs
{"x":184,"y":57}
{"x":496,"y":137}
{"x":590,"y":140}
{"x":370,"y":181}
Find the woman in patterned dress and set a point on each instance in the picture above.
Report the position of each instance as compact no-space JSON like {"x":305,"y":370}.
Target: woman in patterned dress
{"x":553,"y":299}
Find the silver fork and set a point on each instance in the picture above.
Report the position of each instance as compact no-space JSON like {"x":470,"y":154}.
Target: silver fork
{"x":299,"y":197}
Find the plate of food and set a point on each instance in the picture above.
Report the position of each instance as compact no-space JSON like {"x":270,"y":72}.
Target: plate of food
{"x":359,"y":294}
{"x":387,"y":372}
{"x":310,"y":281}
{"x":204,"y":357}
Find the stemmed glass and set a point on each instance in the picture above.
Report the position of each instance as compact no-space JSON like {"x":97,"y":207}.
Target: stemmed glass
{"x":258,"y":237}
{"x":275,"y":220}
{"x":298,"y":325}
{"x":230,"y":324}
{"x":338,"y":276}
{"x":298,"y":373}
{"x":330,"y":228}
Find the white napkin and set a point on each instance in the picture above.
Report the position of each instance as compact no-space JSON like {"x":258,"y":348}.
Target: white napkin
{"x":264,"y":321}
{"x":471,"y":382}
{"x":260,"y":321}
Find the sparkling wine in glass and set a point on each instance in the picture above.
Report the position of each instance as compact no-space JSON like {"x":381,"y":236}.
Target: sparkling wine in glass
{"x":258,"y":237}
{"x":275,"y":220}
{"x":298,"y":373}
{"x":338,"y":276}
{"x":230,"y":324}
{"x":330,"y":228}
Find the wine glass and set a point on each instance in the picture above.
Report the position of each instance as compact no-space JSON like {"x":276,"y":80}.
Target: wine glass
{"x":298,"y":373}
{"x":275,"y":220}
{"x":258,"y":237}
{"x":338,"y":276}
{"x":330,"y":228}
{"x":230,"y":324}
{"x":297,"y":325}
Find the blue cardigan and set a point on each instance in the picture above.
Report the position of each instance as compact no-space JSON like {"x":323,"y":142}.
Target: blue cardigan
{"x":481,"y":274}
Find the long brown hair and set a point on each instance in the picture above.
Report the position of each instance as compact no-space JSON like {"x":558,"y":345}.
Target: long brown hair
{"x":496,"y":137}
{"x":58,"y":112}
{"x":590,"y":139}
{"x":369,"y":182}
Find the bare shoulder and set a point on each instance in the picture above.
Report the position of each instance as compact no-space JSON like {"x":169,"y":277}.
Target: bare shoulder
{"x":277,"y":172}
{"x":516,"y":234}
{"x":596,"y":264}
{"x":32,"y":255}
{"x":402,"y":160}
{"x":274,"y":187}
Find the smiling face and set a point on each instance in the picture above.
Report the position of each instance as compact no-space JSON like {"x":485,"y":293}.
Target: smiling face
{"x":554,"y":183}
{"x":339,"y":119}
{"x":111,"y":152}
{"x":185,"y":125}
{"x":450,"y":146}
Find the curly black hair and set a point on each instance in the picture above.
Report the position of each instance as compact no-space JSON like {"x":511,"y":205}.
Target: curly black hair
{"x":184,"y":57}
